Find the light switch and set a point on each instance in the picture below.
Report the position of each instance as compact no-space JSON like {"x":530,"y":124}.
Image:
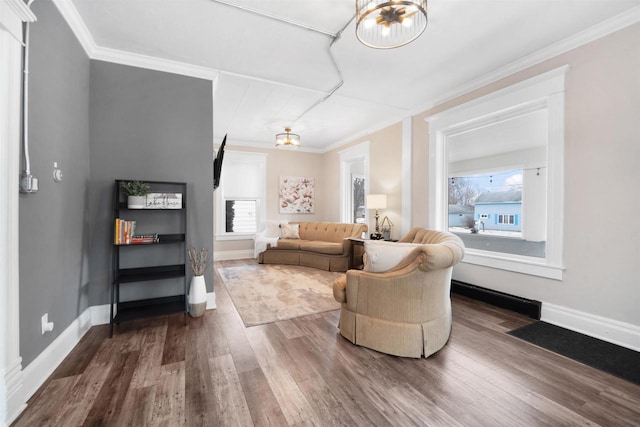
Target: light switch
{"x":57,"y":173}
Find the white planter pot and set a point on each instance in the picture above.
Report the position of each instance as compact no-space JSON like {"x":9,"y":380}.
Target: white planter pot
{"x":197,"y":296}
{"x":136,"y":202}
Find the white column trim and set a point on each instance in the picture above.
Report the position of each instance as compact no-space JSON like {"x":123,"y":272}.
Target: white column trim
{"x":12,"y":14}
{"x":407,"y":138}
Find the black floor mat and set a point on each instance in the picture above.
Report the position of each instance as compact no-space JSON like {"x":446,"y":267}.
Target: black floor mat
{"x":607,"y":357}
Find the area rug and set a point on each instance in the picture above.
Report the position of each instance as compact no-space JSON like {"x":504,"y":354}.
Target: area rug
{"x":619,"y":361}
{"x":267,"y":293}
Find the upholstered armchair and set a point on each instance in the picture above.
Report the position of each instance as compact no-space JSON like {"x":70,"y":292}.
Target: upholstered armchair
{"x":405,"y":311}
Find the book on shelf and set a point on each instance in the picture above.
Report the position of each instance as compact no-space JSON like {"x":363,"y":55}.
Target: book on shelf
{"x":123,"y":232}
{"x":144,"y":238}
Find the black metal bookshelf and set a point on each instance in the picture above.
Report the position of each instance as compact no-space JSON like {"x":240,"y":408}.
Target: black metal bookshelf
{"x":138,"y":265}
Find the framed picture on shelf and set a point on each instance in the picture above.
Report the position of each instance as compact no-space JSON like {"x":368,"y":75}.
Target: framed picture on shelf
{"x":163,"y":201}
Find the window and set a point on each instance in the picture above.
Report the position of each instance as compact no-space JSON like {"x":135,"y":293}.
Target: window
{"x":503,"y":207}
{"x":357,"y":199}
{"x":354,"y":171}
{"x":240,"y":216}
{"x":240,"y":198}
{"x":515,"y":134}
{"x":507,"y":219}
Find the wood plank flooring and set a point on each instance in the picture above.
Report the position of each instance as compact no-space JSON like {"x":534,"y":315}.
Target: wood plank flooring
{"x":216,"y":372}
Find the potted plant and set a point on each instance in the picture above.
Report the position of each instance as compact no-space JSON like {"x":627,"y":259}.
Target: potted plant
{"x":136,"y":192}
{"x":199,"y":260}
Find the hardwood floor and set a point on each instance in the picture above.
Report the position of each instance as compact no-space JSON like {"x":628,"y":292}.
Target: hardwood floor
{"x":216,"y":372}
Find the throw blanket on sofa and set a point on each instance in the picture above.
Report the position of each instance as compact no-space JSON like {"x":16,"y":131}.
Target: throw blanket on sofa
{"x":261,"y":242}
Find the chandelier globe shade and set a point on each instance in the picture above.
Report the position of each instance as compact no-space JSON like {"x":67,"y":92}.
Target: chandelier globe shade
{"x":287,"y":139}
{"x":382,"y":24}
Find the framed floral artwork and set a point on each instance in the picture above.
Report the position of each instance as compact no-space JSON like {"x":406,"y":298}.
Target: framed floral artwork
{"x":296,"y":194}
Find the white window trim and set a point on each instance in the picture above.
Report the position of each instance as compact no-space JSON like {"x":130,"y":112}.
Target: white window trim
{"x":407,"y":174}
{"x":348,"y":156}
{"x":545,"y":91}
{"x":220,"y":233}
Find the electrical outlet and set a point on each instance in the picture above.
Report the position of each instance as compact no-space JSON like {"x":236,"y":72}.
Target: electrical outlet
{"x":46,"y":325}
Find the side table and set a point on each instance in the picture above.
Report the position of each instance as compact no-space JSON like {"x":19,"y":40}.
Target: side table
{"x":357,"y":250}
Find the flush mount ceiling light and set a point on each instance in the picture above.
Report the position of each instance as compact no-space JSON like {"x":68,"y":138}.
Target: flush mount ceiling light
{"x":287,"y":139}
{"x":385,"y":24}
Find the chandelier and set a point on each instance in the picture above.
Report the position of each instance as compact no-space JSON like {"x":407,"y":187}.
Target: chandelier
{"x":385,"y":24}
{"x":287,"y":139}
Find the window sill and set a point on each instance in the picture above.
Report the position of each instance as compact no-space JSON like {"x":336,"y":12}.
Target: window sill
{"x":525,"y":265}
{"x":235,"y":236}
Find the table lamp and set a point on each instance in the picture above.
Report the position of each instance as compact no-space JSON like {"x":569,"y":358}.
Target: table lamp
{"x":376,"y":201}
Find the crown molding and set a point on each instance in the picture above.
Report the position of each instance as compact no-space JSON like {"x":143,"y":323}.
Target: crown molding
{"x":589,"y":35}
{"x":95,"y":52}
{"x":395,"y":119}
{"x":70,"y":14}
{"x":266,"y":146}
{"x":73,"y":18}
{"x":153,"y":63}
{"x":21,"y":10}
{"x":596,"y":32}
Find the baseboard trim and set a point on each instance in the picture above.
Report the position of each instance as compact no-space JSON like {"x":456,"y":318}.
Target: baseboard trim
{"x":13,"y":403}
{"x":613,"y":331}
{"x":100,"y":314}
{"x":37,"y":372}
{"x":520,"y":305}
{"x":230,"y":255}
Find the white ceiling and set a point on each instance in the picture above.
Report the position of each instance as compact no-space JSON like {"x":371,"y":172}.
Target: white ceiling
{"x":270,"y":72}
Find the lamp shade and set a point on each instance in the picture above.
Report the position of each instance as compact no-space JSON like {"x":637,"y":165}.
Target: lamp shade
{"x":377,"y":201}
{"x":384,"y":24}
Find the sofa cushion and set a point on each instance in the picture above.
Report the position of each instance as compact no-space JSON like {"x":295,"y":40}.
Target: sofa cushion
{"x":289,"y":244}
{"x":321,"y":247}
{"x":290,"y":231}
{"x":381,"y":256}
{"x":330,"y":231}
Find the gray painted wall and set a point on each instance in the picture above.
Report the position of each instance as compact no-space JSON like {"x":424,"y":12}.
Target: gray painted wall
{"x":126,"y":123}
{"x":155,"y":126}
{"x":54,"y":223}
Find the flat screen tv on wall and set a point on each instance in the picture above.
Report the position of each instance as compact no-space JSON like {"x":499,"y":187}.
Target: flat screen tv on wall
{"x":217,"y":164}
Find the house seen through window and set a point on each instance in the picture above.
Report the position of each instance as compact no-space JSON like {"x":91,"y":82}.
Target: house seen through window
{"x":497,"y":186}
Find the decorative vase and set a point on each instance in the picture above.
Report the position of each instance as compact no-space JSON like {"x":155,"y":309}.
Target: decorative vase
{"x":197,"y":296}
{"x":136,"y":202}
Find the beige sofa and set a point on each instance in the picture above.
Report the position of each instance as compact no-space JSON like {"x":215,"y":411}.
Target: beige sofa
{"x":323,"y":245}
{"x":405,"y":311}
